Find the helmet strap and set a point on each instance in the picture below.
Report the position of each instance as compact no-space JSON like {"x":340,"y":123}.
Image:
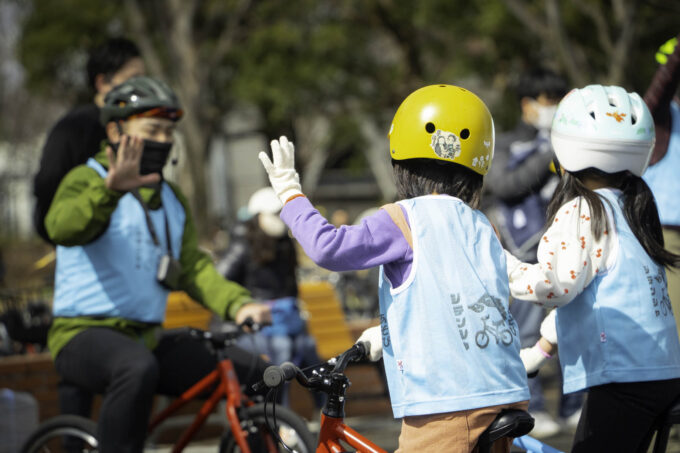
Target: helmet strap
{"x":558,"y":167}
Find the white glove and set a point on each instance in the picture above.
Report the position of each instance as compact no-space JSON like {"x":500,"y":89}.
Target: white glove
{"x":282,"y":175}
{"x":533,"y":358}
{"x":373,"y":335}
{"x":548,"y":329}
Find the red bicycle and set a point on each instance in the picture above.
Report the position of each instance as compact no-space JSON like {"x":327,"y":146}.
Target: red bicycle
{"x":247,"y":416}
{"x":335,"y":435}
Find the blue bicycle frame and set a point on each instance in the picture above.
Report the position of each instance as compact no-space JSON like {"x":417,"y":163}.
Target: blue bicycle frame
{"x":532,"y":445}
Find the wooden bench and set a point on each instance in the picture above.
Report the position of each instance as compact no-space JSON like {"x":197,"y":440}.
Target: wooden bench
{"x":334,"y":334}
{"x":183,"y":311}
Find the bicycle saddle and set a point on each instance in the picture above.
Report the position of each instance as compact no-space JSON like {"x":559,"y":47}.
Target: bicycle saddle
{"x":508,"y":423}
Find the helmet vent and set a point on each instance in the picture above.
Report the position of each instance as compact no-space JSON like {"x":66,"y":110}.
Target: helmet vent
{"x":612,"y":101}
{"x":429,"y":127}
{"x":592,"y":113}
{"x":633,"y":119}
{"x":465,"y":133}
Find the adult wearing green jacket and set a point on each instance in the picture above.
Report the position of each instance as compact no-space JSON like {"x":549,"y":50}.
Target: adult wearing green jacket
{"x":125,"y":239}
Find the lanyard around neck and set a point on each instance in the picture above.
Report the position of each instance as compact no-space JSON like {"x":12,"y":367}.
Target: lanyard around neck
{"x":152,"y":230}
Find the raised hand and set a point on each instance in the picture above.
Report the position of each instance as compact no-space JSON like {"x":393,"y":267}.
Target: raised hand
{"x":282,"y":175}
{"x":123,"y":173}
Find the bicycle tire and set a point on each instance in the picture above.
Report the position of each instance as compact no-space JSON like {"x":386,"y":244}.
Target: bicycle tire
{"x":254,"y":422}
{"x":52,"y":432}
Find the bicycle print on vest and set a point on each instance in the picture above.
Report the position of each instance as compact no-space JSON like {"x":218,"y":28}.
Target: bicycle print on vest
{"x":659,"y":291}
{"x":502,"y":330}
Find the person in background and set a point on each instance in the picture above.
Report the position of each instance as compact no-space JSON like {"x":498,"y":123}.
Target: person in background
{"x":602,"y":263}
{"x":521,"y":183}
{"x":77,"y":135}
{"x":126,"y":238}
{"x":73,"y":139}
{"x":662,"y":174}
{"x":262,"y":257}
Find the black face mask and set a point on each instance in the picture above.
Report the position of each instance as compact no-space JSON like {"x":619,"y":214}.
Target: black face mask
{"x":154,"y":156}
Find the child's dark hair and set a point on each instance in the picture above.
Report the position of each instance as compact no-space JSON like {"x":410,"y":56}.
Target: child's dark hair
{"x":541,"y":81}
{"x":264,"y":248}
{"x":109,"y":57}
{"x":639,"y":208}
{"x":416,"y":177}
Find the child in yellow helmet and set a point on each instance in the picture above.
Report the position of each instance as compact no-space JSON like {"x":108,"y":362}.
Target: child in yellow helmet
{"x":451,"y":348}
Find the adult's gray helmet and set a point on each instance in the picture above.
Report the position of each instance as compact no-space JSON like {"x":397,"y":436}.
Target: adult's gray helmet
{"x":140,"y":96}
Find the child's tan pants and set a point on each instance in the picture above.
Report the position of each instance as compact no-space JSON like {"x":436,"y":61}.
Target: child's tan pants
{"x":452,"y":432}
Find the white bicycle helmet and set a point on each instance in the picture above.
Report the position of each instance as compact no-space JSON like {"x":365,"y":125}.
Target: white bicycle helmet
{"x":264,"y":200}
{"x":605,"y":128}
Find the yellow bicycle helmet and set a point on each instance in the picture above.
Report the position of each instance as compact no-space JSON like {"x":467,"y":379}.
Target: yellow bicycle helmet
{"x":443,"y":122}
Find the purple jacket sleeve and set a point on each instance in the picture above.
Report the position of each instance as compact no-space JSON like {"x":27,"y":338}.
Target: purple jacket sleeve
{"x":377,"y":240}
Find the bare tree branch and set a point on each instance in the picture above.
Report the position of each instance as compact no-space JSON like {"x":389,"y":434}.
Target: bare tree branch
{"x":562,"y":44}
{"x":619,"y":56}
{"x":405,"y":39}
{"x":225,"y":41}
{"x":530,"y":20}
{"x":140,"y":31}
{"x":594,"y":11}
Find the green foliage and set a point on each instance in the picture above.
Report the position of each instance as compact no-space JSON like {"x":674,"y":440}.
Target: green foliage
{"x":56,"y":37}
{"x":336,"y":58}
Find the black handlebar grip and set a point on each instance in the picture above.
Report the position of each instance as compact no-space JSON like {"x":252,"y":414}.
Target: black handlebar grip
{"x":273,"y":376}
{"x":276,"y":375}
{"x":289,"y":370}
{"x":364,"y":347}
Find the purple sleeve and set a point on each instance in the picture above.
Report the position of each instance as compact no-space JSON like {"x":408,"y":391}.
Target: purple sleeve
{"x":377,"y":240}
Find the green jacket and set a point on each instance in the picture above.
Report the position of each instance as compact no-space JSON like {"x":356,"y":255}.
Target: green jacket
{"x":80,"y":212}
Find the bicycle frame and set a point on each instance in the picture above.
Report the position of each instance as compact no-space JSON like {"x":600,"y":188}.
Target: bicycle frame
{"x":333,"y":430}
{"x":227,"y":385}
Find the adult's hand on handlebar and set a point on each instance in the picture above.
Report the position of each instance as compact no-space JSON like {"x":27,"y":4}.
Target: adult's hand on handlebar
{"x":259,"y":313}
{"x":372,"y":336}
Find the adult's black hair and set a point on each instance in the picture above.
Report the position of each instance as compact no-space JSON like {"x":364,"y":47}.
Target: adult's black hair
{"x":416,"y":177}
{"x":639,"y":208}
{"x":109,"y":57}
{"x":541,"y":81}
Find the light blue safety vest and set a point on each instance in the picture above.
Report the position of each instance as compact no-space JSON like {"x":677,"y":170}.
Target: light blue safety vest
{"x":115,"y":275}
{"x":621,"y":327}
{"x":449,"y":342}
{"x":663,"y":178}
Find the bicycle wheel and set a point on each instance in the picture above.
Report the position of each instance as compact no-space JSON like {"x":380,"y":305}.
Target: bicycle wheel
{"x":292,"y":428}
{"x":63,"y":433}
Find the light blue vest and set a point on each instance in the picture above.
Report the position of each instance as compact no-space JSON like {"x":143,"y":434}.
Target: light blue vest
{"x":663,"y":178}
{"x":620,"y":328}
{"x":115,"y":275}
{"x":449,"y":342}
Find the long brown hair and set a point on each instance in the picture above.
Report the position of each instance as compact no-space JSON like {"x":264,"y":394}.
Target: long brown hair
{"x":639,"y":208}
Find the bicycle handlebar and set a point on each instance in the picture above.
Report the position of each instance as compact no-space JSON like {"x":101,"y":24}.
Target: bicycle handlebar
{"x":274,"y":376}
{"x":219,"y":339}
